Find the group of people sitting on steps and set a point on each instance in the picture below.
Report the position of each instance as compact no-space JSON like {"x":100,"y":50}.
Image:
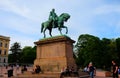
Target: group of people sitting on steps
{"x":69,"y":72}
{"x":64,"y":72}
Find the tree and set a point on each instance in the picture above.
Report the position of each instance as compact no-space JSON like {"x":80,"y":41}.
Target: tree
{"x":15,"y":52}
{"x":88,"y":48}
{"x":105,"y":48}
{"x":118,"y":48}
{"x":101,"y":52}
{"x":28,"y":54}
{"x":113,"y":49}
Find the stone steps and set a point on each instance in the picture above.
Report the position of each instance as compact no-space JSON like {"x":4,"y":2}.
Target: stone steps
{"x":29,"y":74}
{"x":40,"y":75}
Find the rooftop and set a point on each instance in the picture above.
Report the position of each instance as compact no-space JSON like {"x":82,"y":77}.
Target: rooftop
{"x":4,"y":37}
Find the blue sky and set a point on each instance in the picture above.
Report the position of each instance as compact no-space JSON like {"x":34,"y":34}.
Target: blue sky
{"x":21,"y":19}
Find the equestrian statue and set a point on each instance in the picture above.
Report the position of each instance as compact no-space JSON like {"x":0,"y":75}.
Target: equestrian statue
{"x":55,"y":21}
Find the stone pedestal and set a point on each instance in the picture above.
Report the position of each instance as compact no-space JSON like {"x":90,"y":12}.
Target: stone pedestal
{"x":55,"y":53}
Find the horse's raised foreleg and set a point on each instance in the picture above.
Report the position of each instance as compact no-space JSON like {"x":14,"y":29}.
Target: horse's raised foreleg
{"x":66,"y":29}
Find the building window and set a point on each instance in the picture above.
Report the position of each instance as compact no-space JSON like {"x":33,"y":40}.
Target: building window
{"x":4,"y":60}
{"x":5,"y":52}
{"x":6,"y":45}
{"x":0,"y":44}
{"x":0,"y":51}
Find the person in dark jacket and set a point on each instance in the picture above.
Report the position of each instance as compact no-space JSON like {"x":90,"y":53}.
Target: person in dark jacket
{"x":115,"y":69}
{"x":91,"y":69}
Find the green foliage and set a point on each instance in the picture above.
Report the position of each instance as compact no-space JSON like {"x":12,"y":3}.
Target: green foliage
{"x":15,"y":52}
{"x":28,"y":54}
{"x":25,"y":55}
{"x":90,"y":48}
{"x":87,"y":48}
{"x":11,"y":59}
{"x":118,"y":49}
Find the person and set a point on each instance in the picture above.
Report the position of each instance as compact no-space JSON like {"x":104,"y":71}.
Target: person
{"x":91,"y":70}
{"x":24,"y":68}
{"x":17,"y":67}
{"x":53,"y":17}
{"x":10,"y":70}
{"x":115,"y":69}
{"x":63,"y":69}
{"x":118,"y":70}
{"x":74,"y":71}
{"x":36,"y":70}
{"x":86,"y":69}
{"x":66,"y":72}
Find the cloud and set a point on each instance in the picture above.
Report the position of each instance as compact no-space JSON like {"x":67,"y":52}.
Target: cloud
{"x":9,"y":5}
{"x":22,"y":18}
{"x":20,"y":26}
{"x":106,"y":9}
{"x":109,"y":15}
{"x":24,"y":41}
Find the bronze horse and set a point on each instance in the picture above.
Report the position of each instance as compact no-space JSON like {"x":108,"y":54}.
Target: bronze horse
{"x":59,"y":23}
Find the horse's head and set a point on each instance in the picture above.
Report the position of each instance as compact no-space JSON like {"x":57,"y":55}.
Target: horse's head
{"x":65,"y":16}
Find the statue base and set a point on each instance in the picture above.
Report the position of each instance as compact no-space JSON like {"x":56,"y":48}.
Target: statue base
{"x":55,"y":53}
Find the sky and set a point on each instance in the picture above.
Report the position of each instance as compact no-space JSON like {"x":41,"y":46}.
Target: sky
{"x":21,"y":19}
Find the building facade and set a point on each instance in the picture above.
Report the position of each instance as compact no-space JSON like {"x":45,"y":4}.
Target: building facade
{"x":4,"y":48}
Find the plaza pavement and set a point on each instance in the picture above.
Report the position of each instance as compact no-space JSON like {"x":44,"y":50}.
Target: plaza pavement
{"x":3,"y":72}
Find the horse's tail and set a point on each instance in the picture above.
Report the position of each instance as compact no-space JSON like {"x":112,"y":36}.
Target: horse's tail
{"x":42,"y":26}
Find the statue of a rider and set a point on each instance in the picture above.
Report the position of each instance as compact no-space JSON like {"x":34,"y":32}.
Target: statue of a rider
{"x":53,"y":17}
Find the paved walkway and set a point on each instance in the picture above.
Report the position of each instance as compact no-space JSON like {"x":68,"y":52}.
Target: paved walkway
{"x":102,"y":77}
{"x":101,"y":74}
{"x":3,"y":71}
